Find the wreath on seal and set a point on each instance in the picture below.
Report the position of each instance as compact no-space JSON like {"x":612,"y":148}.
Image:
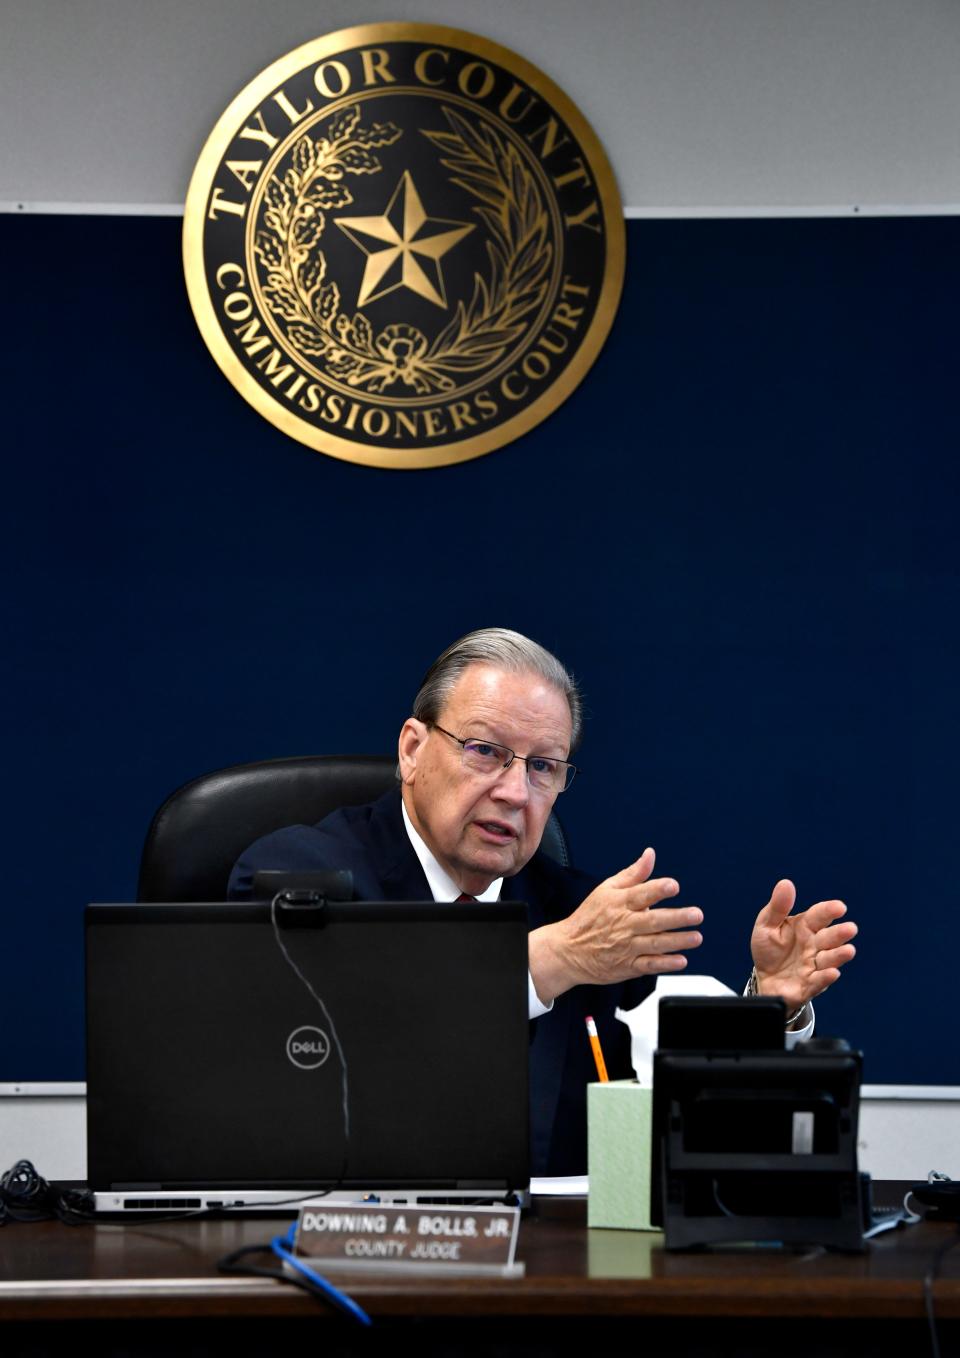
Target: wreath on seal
{"x":308,"y":307}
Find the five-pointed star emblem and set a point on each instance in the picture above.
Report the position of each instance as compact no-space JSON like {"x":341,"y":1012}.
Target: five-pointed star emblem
{"x":403,"y":246}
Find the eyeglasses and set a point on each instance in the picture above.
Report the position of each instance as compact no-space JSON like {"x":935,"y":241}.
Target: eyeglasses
{"x":543,"y":772}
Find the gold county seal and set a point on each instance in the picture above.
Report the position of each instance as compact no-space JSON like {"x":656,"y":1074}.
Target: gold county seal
{"x":403,"y":245}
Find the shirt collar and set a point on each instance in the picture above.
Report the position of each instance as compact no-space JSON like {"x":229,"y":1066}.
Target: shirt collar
{"x":441,"y":884}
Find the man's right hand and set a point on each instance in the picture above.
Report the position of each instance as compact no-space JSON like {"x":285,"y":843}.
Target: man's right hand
{"x":615,"y":934}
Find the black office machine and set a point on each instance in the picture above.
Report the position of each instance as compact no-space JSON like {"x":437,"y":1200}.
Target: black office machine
{"x":753,"y":1143}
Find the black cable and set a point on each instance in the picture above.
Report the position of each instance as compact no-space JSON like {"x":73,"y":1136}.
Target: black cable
{"x":25,"y":1195}
{"x":304,"y":1277}
{"x":344,"y":1079}
{"x":928,"y":1282}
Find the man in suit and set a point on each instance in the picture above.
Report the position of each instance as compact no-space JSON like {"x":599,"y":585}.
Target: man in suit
{"x":481,"y":762}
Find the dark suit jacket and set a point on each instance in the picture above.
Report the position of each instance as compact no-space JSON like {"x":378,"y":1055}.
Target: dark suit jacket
{"x":373,"y":843}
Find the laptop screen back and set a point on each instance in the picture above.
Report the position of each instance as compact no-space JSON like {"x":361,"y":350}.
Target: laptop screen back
{"x":210,"y":1062}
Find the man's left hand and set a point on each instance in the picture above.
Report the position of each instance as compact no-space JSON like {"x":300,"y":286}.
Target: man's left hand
{"x":799,"y":956}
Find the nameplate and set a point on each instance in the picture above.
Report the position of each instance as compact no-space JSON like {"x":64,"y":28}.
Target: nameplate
{"x":444,"y":1239}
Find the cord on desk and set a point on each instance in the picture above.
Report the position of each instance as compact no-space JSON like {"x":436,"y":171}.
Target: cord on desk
{"x":308,"y":1280}
{"x":25,"y":1195}
{"x":891,"y":1218}
{"x":928,"y":1282}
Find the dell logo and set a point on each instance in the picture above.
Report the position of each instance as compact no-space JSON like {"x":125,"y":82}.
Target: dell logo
{"x":308,"y":1047}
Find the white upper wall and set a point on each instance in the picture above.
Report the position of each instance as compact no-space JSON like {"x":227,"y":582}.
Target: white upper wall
{"x":700,"y":103}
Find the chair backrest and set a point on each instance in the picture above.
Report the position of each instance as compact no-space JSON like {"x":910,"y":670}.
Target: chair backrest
{"x":203,"y":827}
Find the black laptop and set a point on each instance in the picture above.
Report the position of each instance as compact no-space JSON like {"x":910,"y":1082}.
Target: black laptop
{"x":253,"y":1054}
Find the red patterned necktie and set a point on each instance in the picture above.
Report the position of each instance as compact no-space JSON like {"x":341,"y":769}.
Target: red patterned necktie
{"x":464,"y":897}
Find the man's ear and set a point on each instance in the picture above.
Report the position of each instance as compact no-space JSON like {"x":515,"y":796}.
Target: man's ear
{"x":413,"y":733}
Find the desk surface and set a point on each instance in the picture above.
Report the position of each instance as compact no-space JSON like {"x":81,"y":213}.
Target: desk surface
{"x":166,"y":1269}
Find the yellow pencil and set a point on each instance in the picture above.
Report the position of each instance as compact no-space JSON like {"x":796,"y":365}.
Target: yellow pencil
{"x":597,"y":1051}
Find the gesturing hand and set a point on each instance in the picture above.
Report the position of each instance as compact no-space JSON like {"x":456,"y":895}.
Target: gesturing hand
{"x":799,"y":956}
{"x":615,"y":934}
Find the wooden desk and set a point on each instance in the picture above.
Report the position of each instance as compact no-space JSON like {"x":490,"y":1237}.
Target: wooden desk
{"x":153,"y":1287}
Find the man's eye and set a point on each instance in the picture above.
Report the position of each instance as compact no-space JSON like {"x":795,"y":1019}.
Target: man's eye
{"x":541,"y":765}
{"x":481,"y":748}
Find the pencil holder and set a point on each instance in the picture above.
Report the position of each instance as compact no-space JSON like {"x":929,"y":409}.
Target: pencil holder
{"x":619,"y":1118}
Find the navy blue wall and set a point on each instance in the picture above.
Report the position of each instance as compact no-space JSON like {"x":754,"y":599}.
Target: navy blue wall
{"x":739,"y":532}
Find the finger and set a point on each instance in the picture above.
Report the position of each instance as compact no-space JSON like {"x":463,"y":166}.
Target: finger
{"x":823,"y":981}
{"x":836,"y":934}
{"x":677,"y":941}
{"x":665,"y":919}
{"x":647,"y":894}
{"x":823,"y":914}
{"x":832,"y":958}
{"x":779,"y":905}
{"x":636,"y":873}
{"x":656,"y":964}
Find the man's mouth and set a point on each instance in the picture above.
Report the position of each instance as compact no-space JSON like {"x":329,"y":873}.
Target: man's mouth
{"x":497,"y":830}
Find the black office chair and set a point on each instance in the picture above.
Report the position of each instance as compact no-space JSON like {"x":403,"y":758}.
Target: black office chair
{"x":203,"y":827}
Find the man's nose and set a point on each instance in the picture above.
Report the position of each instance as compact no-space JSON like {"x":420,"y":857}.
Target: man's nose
{"x":513,"y":785}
